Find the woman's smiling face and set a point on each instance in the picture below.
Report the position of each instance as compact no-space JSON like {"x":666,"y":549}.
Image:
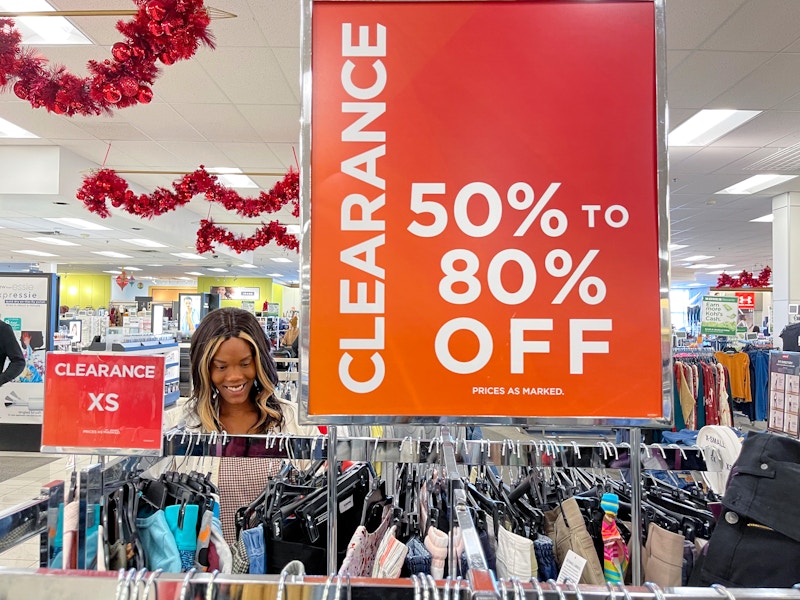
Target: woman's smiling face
{"x":233,"y":371}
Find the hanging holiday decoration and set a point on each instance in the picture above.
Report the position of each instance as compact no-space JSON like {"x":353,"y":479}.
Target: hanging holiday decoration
{"x":162,"y":30}
{"x":105,"y":185}
{"x":746,"y":279}
{"x":124,"y":279}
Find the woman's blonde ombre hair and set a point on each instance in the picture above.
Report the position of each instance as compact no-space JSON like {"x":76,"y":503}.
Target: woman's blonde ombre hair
{"x":215,"y":328}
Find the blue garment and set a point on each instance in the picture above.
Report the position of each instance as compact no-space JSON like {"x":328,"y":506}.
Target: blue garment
{"x":256,"y":552}
{"x":160,"y":547}
{"x":418,"y":558}
{"x":759,"y":382}
{"x":685,"y":437}
{"x":182,"y":521}
{"x":543,"y":547}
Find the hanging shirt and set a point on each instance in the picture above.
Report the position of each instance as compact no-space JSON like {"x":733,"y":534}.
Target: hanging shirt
{"x":738,"y":364}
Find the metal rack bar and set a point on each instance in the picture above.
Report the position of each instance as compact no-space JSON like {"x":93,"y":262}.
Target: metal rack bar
{"x":77,"y":585}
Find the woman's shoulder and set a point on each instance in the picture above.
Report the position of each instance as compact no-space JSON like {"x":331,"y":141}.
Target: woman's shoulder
{"x":291,"y":420}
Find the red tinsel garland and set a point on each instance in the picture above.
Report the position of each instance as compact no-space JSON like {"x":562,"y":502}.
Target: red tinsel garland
{"x":165,"y":30}
{"x":105,"y":185}
{"x":746,"y":279}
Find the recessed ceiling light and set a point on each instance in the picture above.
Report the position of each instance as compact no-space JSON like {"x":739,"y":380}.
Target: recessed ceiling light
{"x":111,"y":254}
{"x":132,"y":268}
{"x":188,"y":255}
{"x":247,"y":266}
{"x":52,"y":241}
{"x":114,"y":272}
{"x":218,"y":269}
{"x":707,"y":126}
{"x":195,"y":273}
{"x":282,"y":259}
{"x":43,"y":30}
{"x":34,"y":252}
{"x":155,"y":265}
{"x":697,"y":257}
{"x":79,"y":223}
{"x":143,"y":242}
{"x":232,"y":177}
{"x":9,"y":130}
{"x":756,"y":183}
{"x":765,"y":219}
{"x":678,"y":246}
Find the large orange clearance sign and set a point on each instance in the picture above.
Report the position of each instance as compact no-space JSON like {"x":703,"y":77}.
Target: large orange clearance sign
{"x":484,"y":210}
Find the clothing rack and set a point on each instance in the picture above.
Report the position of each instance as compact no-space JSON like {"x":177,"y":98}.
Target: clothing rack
{"x":97,"y":479}
{"x":133,"y":585}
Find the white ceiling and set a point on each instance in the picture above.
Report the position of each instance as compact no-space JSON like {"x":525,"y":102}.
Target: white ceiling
{"x":239,"y":106}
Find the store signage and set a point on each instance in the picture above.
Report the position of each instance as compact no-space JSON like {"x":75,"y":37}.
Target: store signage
{"x":784,"y":392}
{"x":236,"y":293}
{"x":484,"y":212}
{"x":718,"y":315}
{"x":103,"y":403}
{"x":746,"y":300}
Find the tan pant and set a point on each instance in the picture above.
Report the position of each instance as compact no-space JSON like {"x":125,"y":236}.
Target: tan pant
{"x":570,"y":534}
{"x":662,"y":557}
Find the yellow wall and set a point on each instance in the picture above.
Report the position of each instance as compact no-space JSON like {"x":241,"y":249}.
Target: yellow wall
{"x":83,"y":290}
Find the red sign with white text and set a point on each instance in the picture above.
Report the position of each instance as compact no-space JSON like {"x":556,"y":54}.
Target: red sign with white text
{"x":484,"y":210}
{"x":99,"y":402}
{"x":746,"y":300}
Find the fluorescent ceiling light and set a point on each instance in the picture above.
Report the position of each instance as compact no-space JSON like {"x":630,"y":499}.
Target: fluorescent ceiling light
{"x":699,"y":266}
{"x":43,"y":30}
{"x":184,"y":278}
{"x":697,"y":257}
{"x":218,"y":269}
{"x":78,"y":224}
{"x":195,"y":273}
{"x":188,"y":255}
{"x":247,"y":266}
{"x":678,"y":246}
{"x":765,"y":219}
{"x":756,"y":183}
{"x":707,"y":126}
{"x":155,"y":265}
{"x":232,"y":177}
{"x":132,"y":268}
{"x":52,"y":241}
{"x":111,"y":254}
{"x":274,"y":275}
{"x":114,"y":272}
{"x":144,"y":242}
{"x":9,"y":130}
{"x":281,"y":259}
{"x":720,"y":272}
{"x":35,"y":252}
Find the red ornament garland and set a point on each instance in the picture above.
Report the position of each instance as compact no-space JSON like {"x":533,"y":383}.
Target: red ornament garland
{"x":105,"y":184}
{"x":165,"y":30}
{"x":746,"y":279}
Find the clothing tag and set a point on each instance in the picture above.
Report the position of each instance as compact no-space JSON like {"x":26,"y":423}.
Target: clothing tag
{"x":572,"y":568}
{"x":346,"y":504}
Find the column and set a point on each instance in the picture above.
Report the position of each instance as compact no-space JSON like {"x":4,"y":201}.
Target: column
{"x":785,"y":259}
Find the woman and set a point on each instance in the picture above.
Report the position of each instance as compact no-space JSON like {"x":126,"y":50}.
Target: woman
{"x":234,"y":377}
{"x":291,"y":335}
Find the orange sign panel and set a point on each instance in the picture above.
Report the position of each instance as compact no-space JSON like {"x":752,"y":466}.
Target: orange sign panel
{"x":484,"y":210}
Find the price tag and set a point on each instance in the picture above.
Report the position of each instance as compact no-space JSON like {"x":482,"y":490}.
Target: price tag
{"x":485,"y":201}
{"x":103,"y":404}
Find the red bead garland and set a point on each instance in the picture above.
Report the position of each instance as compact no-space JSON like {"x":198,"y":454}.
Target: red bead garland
{"x":165,"y":30}
{"x":105,"y":184}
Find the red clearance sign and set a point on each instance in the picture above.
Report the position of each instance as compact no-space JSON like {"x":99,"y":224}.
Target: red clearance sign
{"x":484,"y":211}
{"x":102,"y":402}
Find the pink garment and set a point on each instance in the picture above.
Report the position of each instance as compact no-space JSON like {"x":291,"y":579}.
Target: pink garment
{"x":615,"y":555}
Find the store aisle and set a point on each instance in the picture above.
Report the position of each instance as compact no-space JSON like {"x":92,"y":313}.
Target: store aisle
{"x":26,"y":486}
